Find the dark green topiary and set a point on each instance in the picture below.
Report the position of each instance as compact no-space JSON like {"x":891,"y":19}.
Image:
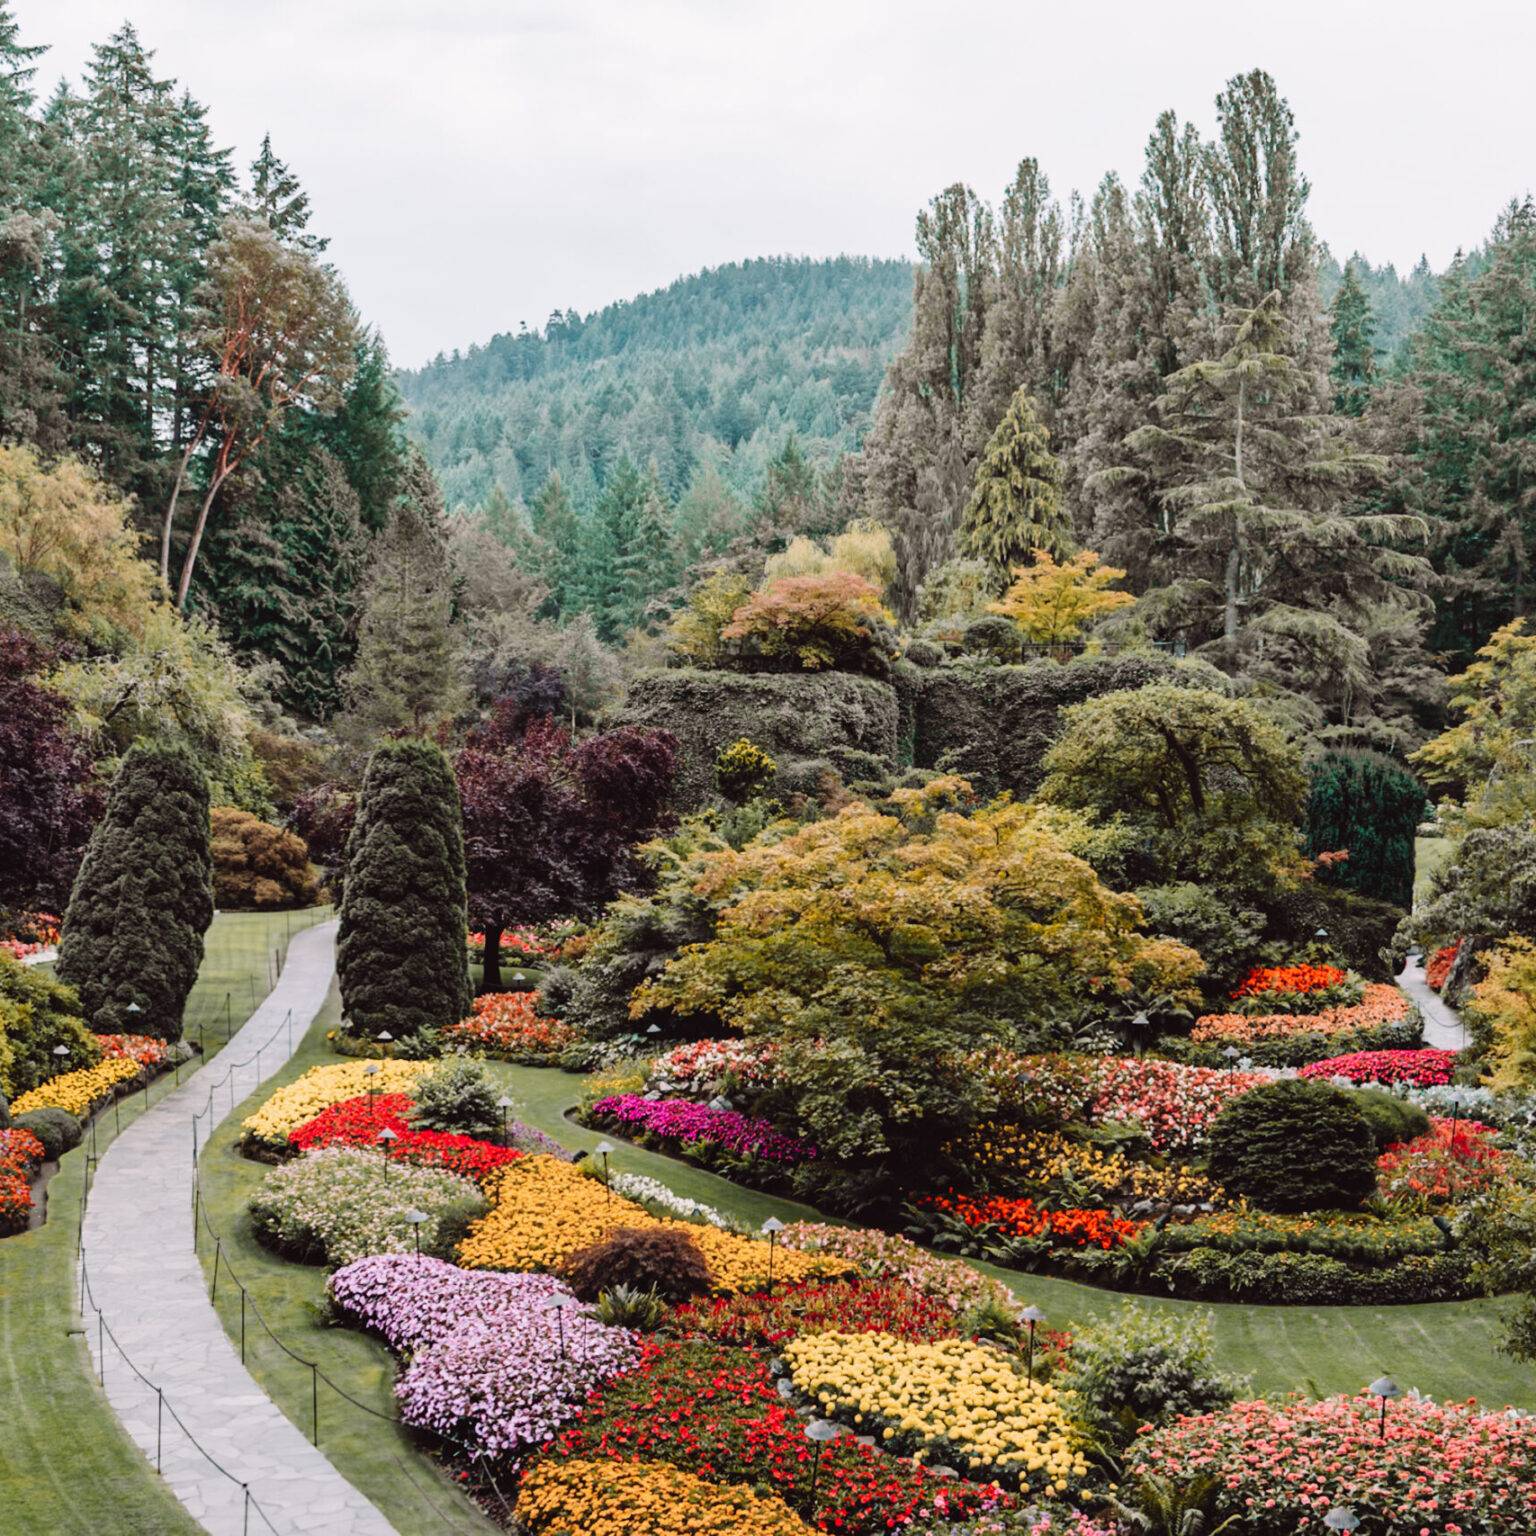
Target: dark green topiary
{"x":1371,"y":806}
{"x":1295,"y":1146}
{"x":1390,"y":1118}
{"x":143,"y":899}
{"x":400,"y":953}
{"x":57,"y":1129}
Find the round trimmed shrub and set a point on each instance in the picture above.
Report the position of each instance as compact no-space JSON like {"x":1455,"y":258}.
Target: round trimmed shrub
{"x":57,"y":1129}
{"x":133,"y":933}
{"x":258,"y":867}
{"x":1390,"y":1118}
{"x":665,"y":1260}
{"x":743,"y":770}
{"x":1295,"y":1146}
{"x":401,"y":951}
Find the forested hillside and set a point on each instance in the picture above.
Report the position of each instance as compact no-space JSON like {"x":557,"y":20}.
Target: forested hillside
{"x":709,"y":374}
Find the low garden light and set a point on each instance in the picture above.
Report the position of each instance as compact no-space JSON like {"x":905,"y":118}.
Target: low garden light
{"x":387,"y":1138}
{"x":603,"y":1149}
{"x":557,"y":1305}
{"x":1231,"y":1053}
{"x":1386,"y":1389}
{"x":505,"y":1104}
{"x":1455,"y":1098}
{"x":818,"y":1432}
{"x":1034,"y":1317}
{"x":133,"y":1008}
{"x":384,"y":1037}
{"x":773,"y":1226}
{"x":61,"y":1051}
{"x":414,"y":1219}
{"x":653,"y":1029}
{"x":371,"y":1072}
{"x":1341,"y":1518}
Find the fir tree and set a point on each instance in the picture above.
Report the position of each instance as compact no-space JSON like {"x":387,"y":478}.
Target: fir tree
{"x":1015,"y":507}
{"x":401,"y":952}
{"x":558,"y":531}
{"x":1354,"y":353}
{"x":279,"y":200}
{"x":608,"y":547}
{"x":367,"y":434}
{"x":133,"y":933}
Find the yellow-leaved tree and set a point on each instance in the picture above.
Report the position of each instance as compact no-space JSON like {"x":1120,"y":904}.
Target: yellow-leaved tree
{"x":1053,"y":604}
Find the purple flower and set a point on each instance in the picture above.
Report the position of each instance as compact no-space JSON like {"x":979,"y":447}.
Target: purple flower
{"x":680,"y":1120}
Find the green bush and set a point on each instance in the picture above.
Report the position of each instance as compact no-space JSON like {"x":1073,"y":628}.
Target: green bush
{"x":993,"y":635}
{"x":37,"y":1014}
{"x":57,"y":1129}
{"x":456,"y":1097}
{"x":665,"y":1260}
{"x":258,"y":867}
{"x":133,"y":932}
{"x":1362,"y":933}
{"x":1294,"y":1146}
{"x":1371,"y":806}
{"x":1312,"y":1279}
{"x":1390,"y":1118}
{"x":5,"y":1113}
{"x":401,"y":952}
{"x":743,"y":770}
{"x":1224,"y":931}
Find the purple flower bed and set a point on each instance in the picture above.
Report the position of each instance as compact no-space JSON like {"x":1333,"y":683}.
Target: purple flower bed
{"x":486,"y":1364}
{"x":679,"y":1120}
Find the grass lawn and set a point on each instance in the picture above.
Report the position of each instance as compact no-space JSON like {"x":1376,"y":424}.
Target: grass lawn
{"x":1429,"y":854}
{"x":66,"y":1466}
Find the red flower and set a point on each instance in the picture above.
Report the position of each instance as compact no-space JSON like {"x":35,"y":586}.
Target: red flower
{"x":357,"y":1123}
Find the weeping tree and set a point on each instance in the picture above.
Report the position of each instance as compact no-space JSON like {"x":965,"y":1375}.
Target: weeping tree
{"x":133,"y":932}
{"x":1368,"y":806}
{"x":401,"y":951}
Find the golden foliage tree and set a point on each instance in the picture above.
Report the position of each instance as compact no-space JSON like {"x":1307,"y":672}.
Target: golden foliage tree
{"x":1053,"y":604}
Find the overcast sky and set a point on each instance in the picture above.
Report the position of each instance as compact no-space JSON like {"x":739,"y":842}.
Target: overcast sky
{"x":478,"y":163}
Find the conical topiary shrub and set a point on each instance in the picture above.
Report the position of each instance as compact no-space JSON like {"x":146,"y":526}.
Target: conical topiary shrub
{"x":133,"y":934}
{"x":401,"y":953}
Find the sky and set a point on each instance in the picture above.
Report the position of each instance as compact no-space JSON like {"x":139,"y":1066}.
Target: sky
{"x":479,"y":163}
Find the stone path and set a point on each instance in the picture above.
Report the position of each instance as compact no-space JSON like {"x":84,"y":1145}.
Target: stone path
{"x":146,"y":1279}
{"x":1443,"y":1029}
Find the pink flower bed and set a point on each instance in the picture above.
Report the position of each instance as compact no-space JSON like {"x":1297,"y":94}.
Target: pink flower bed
{"x":1419,"y":1069}
{"x":145,"y":1050}
{"x":700,"y":1065}
{"x":682,"y":1121}
{"x":1447,"y":1469}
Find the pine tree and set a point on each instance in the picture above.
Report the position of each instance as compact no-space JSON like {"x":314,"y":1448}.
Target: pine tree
{"x":401,"y":951}
{"x":558,"y":531}
{"x":133,"y":933}
{"x":1015,"y":507}
{"x":1354,"y":355}
{"x":279,"y":200}
{"x":607,"y":546}
{"x":645,"y":568}
{"x":367,"y":434}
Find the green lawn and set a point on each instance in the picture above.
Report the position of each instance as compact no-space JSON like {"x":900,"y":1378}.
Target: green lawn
{"x":1429,"y":854}
{"x":66,"y":1467}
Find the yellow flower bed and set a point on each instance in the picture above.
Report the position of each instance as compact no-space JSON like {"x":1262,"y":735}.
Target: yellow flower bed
{"x":543,"y":1210}
{"x":1020,"y":1160}
{"x":320,"y":1087}
{"x":625,"y":1498}
{"x":953,"y":1400}
{"x":78,"y":1092}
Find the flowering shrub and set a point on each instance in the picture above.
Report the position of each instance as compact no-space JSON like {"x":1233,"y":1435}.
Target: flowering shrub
{"x":505,"y":1025}
{"x":1380,"y":1004}
{"x":1418,"y":1069}
{"x":884,"y":1256}
{"x":78,"y":1092}
{"x":1455,"y":1162}
{"x":144,"y":1050}
{"x":962,"y":1402}
{"x":528,"y":942}
{"x":31,"y":933}
{"x":341,"y":1203}
{"x":610,"y":1498}
{"x":701,"y":1067}
{"x":21,"y":1154}
{"x":542,"y":1211}
{"x":1439,"y":968}
{"x":322,"y":1086}
{"x":490,"y":1363}
{"x":849,"y":1306}
{"x":1281,"y":1466}
{"x":698,"y":1127}
{"x":717,"y":1412}
{"x":1020,"y":1217}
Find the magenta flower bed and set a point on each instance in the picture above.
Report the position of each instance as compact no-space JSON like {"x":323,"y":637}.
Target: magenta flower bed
{"x":1442,"y":1469}
{"x":679,"y":1120}
{"x":485,"y":1362}
{"x":1419,"y":1069}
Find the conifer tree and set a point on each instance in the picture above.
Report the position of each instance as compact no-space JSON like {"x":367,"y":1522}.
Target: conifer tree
{"x":401,"y":952}
{"x":608,"y":546}
{"x":1015,"y":507}
{"x":1354,"y":356}
{"x":279,"y":200}
{"x":558,"y":531}
{"x":133,"y":933}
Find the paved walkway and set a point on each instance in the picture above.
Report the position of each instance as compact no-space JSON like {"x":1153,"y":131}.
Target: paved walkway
{"x":1443,"y":1029}
{"x":149,"y":1285}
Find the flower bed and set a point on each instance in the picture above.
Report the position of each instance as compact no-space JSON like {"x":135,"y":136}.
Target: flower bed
{"x":21,"y":1155}
{"x":1001,"y":1216}
{"x":1438,"y":971}
{"x":504,"y":1025}
{"x":79,"y":1092}
{"x":489,"y":1361}
{"x":698,"y":1130}
{"x":962,"y":1403}
{"x":31,"y":933}
{"x":1281,"y":1466}
{"x":1457,"y":1161}
{"x":339,"y":1204}
{"x":703,"y":1067}
{"x":817,"y":1306}
{"x":542,"y":1211}
{"x":1296,"y":989}
{"x":142,"y":1050}
{"x":1418,"y":1069}
{"x":609,"y":1498}
{"x":650,"y":1193}
{"x":317,"y":1090}
{"x":1381,"y":1005}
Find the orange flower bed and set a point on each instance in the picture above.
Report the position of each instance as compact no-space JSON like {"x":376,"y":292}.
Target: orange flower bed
{"x":1290,"y":978}
{"x":504,"y":1024}
{"x":1382,"y":1004}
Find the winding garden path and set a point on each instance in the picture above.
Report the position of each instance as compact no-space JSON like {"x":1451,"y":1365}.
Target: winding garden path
{"x":142,"y":1272}
{"x":1443,"y":1029}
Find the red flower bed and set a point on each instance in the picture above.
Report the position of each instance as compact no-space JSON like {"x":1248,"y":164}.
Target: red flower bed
{"x":21,"y":1155}
{"x":504,"y":1024}
{"x":1440,"y":963}
{"x":1419,"y":1069}
{"x":846,"y":1306}
{"x":718,"y":1414}
{"x":1456,"y":1161}
{"x":1290,"y":978}
{"x":146,"y":1050}
{"x":1021,"y":1217}
{"x":358,"y":1122}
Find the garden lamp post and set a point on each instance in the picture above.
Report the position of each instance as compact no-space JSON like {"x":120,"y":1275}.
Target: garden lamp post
{"x":1231,"y":1053}
{"x":773,"y":1226}
{"x":603,"y":1148}
{"x":1140,"y":1022}
{"x":1386,"y":1389}
{"x":1341,"y":1518}
{"x":387,"y":1138}
{"x":557,"y":1305}
{"x":504,"y":1104}
{"x":818,"y":1432}
{"x":1033,"y":1316}
{"x":414,"y":1219}
{"x":371,"y":1072}
{"x":61,"y":1051}
{"x":1455,"y":1115}
{"x":384,"y":1037}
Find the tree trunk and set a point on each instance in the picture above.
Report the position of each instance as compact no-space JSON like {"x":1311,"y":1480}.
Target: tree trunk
{"x":490,"y":978}
{"x":187,"y":565}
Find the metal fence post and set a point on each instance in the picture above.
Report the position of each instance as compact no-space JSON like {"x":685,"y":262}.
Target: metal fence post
{"x":159,"y":1422}
{"x":314,"y":1399}
{"x":242,"y":1325}
{"x":101,"y":1348}
{"x":218,"y":1246}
